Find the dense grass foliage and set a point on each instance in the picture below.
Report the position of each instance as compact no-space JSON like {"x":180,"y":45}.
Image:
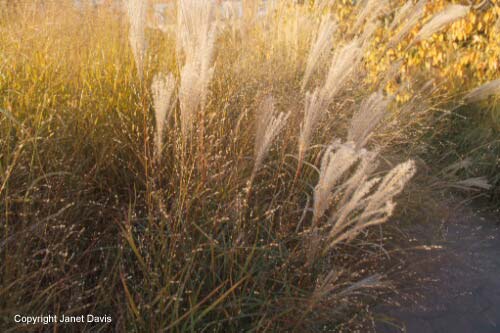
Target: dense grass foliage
{"x":216,"y":173}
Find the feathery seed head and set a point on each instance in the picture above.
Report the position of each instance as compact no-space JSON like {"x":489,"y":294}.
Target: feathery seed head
{"x":313,"y":105}
{"x":484,"y":91}
{"x":136,"y":10}
{"x":406,"y":19}
{"x":320,"y":46}
{"x":367,"y":206}
{"x":369,"y":10}
{"x":337,"y":159}
{"x":449,"y":15}
{"x":344,"y":62}
{"x":196,"y":38}
{"x":162,"y":89}
{"x":371,"y":111}
{"x":268,"y":126}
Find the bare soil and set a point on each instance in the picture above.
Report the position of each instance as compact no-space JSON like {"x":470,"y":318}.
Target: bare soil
{"x":453,"y":282}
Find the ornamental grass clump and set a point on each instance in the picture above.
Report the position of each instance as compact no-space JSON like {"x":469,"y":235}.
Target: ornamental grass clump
{"x":273,"y":158}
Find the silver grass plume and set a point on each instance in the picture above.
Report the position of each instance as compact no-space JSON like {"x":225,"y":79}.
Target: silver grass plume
{"x":136,"y":10}
{"x":390,"y":186}
{"x":193,"y":92}
{"x":369,"y":206}
{"x":188,"y":98}
{"x":406,"y":19}
{"x":321,"y":5}
{"x":369,"y":9}
{"x":484,"y":91}
{"x":196,"y":38}
{"x":250,"y":10}
{"x":337,"y":159}
{"x":475,"y":183}
{"x":344,"y":62}
{"x":330,"y":289}
{"x":230,"y":15}
{"x":366,"y":8}
{"x":312,"y":109}
{"x":371,"y":111}
{"x":368,"y":31}
{"x":320,"y":46}
{"x":406,"y":12}
{"x":367,"y":165}
{"x":268,"y":125}
{"x":196,"y":28}
{"x":449,"y":15}
{"x":402,"y":13}
{"x":162,"y":89}
{"x":361,"y":200}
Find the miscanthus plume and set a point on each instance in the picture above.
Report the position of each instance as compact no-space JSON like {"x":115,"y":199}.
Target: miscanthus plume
{"x":371,"y":111}
{"x":406,"y":19}
{"x":136,"y":10}
{"x":321,"y":44}
{"x":162,"y":89}
{"x":344,"y":63}
{"x":196,"y":40}
{"x":269,"y":124}
{"x":449,"y":15}
{"x":346,"y":183}
{"x":484,"y":91}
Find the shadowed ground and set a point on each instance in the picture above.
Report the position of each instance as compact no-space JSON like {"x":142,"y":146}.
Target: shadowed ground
{"x":457,"y":282}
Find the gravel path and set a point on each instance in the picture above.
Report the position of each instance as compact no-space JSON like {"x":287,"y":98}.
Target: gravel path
{"x":457,"y":281}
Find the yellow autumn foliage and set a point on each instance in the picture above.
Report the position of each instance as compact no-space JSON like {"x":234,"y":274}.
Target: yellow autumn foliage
{"x":459,"y":57}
